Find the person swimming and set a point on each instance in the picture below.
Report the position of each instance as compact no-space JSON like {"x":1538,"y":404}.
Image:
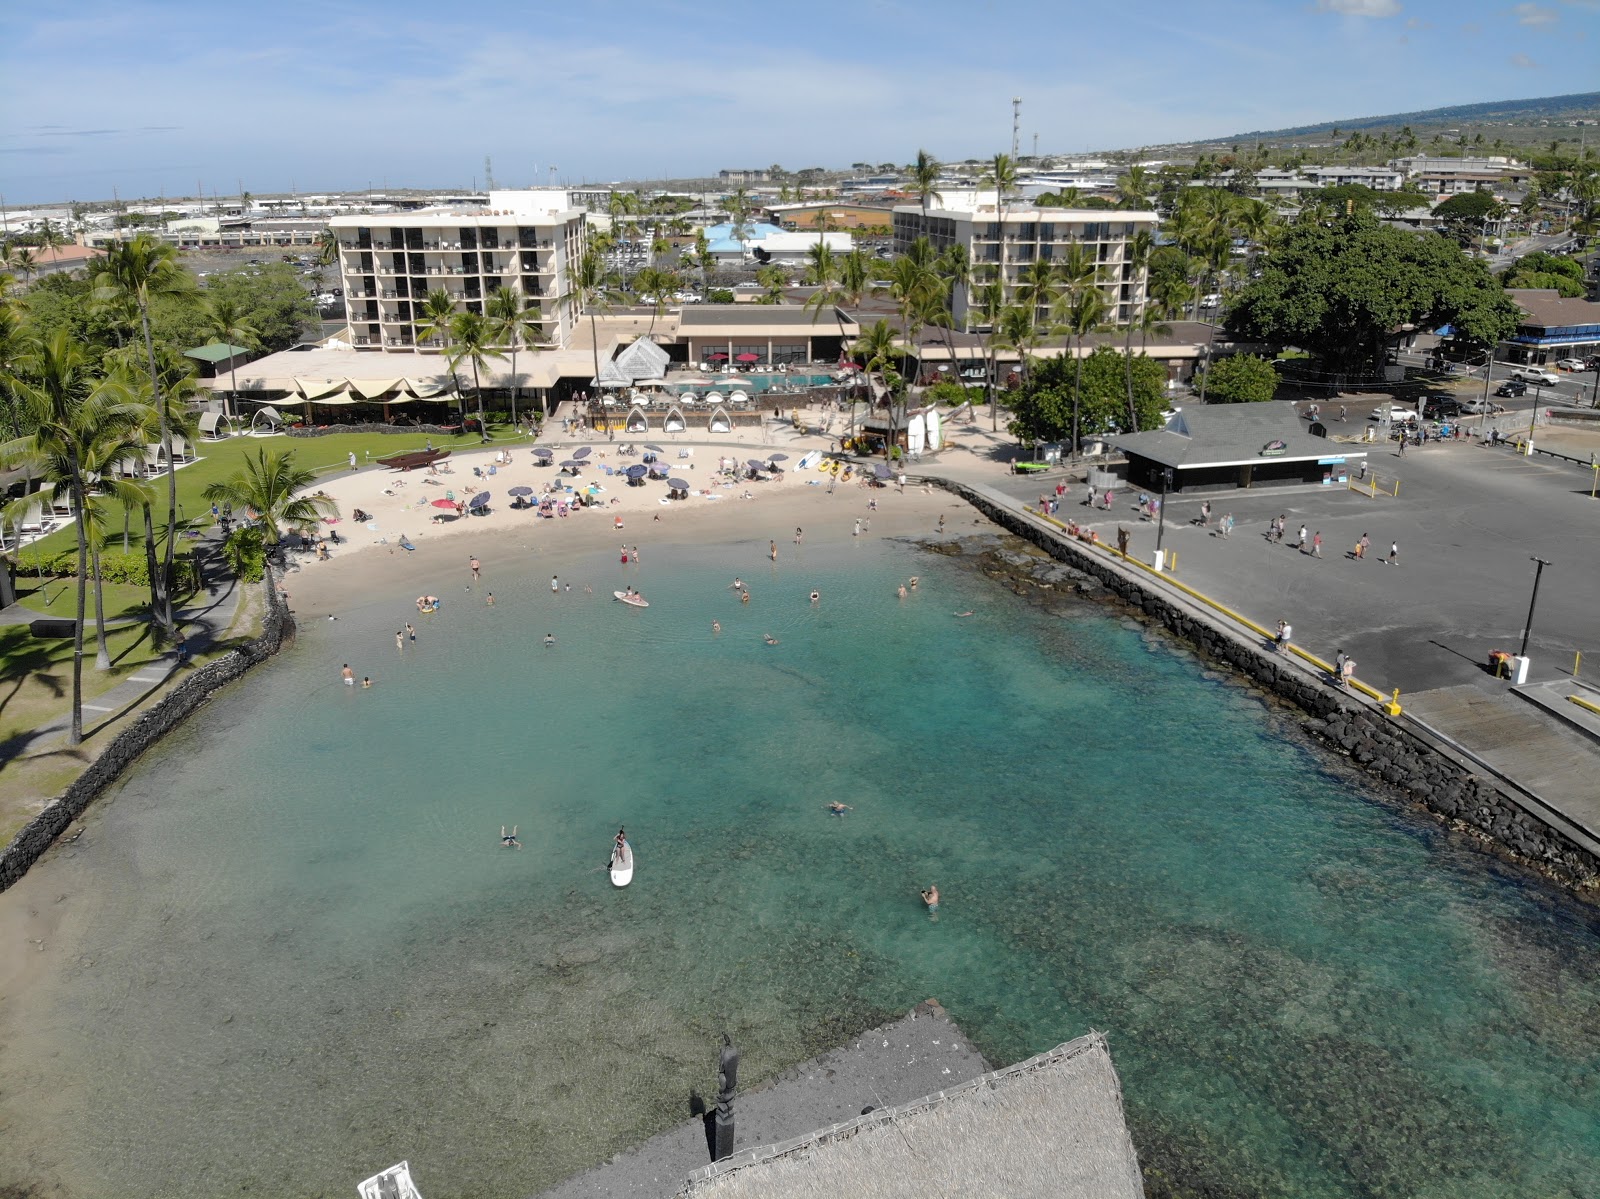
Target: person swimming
{"x":968,"y":613}
{"x":716,"y":626}
{"x":838,"y":809}
{"x":815,"y":596}
{"x":769,"y":639}
{"x":931,"y":897}
{"x":509,"y":840}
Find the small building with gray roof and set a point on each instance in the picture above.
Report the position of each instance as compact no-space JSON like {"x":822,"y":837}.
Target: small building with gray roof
{"x":1217,"y":447}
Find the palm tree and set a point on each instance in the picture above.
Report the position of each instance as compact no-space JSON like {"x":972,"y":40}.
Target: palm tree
{"x":772,"y":279}
{"x":1038,"y":289}
{"x":655,"y":286}
{"x":911,"y":282}
{"x":79,"y":421}
{"x":473,"y":334}
{"x":268,"y":485}
{"x":433,"y":317}
{"x":1135,"y":260}
{"x":878,"y":350}
{"x":513,"y":319}
{"x":111,"y":453}
{"x":327,"y":247}
{"x":822,"y":273}
{"x":1081,"y":315}
{"x":925,"y":181}
{"x":142,"y":270}
{"x":228,"y":321}
{"x":593,"y":287}
{"x":1133,"y":189}
{"x":1002,"y":176}
{"x":989,"y":301}
{"x":703,"y":258}
{"x":1013,"y":329}
{"x":23,"y":260}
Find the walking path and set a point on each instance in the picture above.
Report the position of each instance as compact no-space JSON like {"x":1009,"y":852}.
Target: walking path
{"x":204,"y":624}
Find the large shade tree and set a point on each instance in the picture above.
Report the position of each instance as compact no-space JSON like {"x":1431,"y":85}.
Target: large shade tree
{"x":1089,"y":392}
{"x":1341,"y":287}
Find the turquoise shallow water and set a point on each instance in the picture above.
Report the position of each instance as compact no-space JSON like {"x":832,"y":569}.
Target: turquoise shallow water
{"x":298,"y":953}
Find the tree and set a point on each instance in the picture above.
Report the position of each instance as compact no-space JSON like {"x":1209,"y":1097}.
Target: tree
{"x":81,"y":422}
{"x":1338,"y":288}
{"x":878,"y":351}
{"x":472,"y":333}
{"x":655,"y":285}
{"x":513,"y":319}
{"x":773,"y":279}
{"x":1089,"y":392}
{"x":925,"y":180}
{"x":1083,"y":313}
{"x":822,"y":273}
{"x":271,"y":298}
{"x":22,"y":260}
{"x":1240,"y":379}
{"x":591,"y":287}
{"x":1002,"y":176}
{"x":268,"y":486}
{"x":226,"y":321}
{"x":433,"y":317}
{"x":1136,"y":259}
{"x":1133,"y":189}
{"x":327,"y":247}
{"x":1541,"y":269}
{"x":1464,"y":216}
{"x":141,"y":271}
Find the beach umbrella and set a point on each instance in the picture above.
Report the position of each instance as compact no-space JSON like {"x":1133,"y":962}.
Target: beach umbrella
{"x":478,"y":500}
{"x":520,"y":491}
{"x":677,"y":485}
{"x":717,"y":357}
{"x":637,"y":472}
{"x":572,"y":464}
{"x":882,"y":470}
{"x":755,"y":464}
{"x":655,"y":449}
{"x":583,"y":453}
{"x":777,"y":457}
{"x":747,"y":357}
{"x":444,"y":504}
{"x":541,"y":452}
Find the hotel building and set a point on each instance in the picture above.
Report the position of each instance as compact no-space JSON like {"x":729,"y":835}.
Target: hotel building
{"x":1031,"y":234}
{"x":523,"y":240}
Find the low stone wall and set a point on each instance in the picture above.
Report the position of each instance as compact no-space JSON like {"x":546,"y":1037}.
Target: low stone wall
{"x":367,"y":427}
{"x":1405,"y":758}
{"x":145,"y":730}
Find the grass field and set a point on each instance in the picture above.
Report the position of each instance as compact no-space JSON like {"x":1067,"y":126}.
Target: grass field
{"x":220,"y":459}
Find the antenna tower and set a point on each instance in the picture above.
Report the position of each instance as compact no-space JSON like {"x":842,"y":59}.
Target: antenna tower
{"x":488,"y":173}
{"x":1016,"y":124}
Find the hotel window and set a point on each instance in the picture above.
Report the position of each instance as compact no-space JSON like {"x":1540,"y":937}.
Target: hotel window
{"x":789,"y":353}
{"x":760,"y":351}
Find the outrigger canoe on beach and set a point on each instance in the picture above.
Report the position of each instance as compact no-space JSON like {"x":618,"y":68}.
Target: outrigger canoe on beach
{"x":413,"y":459}
{"x":631,"y":597}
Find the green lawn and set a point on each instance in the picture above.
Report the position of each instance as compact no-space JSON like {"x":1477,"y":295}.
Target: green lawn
{"x":59,"y":597}
{"x":219,"y":459}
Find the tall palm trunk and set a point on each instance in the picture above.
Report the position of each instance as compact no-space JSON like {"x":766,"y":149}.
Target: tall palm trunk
{"x":483,"y":428}
{"x":102,"y":656}
{"x":150,"y":561}
{"x":1077,"y":391}
{"x":76,"y":735}
{"x":1127,"y":361}
{"x":514,"y":387}
{"x":161,"y":592}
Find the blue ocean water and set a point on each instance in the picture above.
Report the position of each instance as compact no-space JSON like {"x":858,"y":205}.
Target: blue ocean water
{"x":300,"y":953}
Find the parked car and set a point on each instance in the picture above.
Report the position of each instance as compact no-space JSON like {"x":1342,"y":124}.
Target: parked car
{"x":1536,"y":374}
{"x":1570,"y":364}
{"x":1488,"y":407}
{"x":1592,"y":362}
{"x":1442,"y":407}
{"x":1210,"y":301}
{"x":1393,"y":413}
{"x":1512,"y":387}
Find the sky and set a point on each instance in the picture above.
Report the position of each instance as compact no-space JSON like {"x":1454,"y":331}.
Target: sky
{"x":163,"y":98}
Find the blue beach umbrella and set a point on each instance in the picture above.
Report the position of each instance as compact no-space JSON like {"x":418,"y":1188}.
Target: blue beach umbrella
{"x":583,"y":453}
{"x":882,"y":470}
{"x":479,"y":500}
{"x":677,"y":485}
{"x":655,"y":449}
{"x":541,"y":452}
{"x":637,"y":472}
{"x":777,"y":457}
{"x":520,"y":491}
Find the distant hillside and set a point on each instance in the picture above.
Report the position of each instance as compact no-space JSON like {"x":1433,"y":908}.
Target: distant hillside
{"x":1513,"y":123}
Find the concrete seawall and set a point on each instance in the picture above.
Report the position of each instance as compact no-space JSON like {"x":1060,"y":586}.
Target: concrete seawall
{"x":146,"y":729}
{"x":1402,"y":755}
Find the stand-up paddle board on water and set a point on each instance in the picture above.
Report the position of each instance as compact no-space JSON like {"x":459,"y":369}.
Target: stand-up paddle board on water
{"x":632,"y":597}
{"x":622,"y":865}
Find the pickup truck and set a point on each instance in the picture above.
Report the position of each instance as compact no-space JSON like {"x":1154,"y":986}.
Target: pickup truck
{"x":1536,"y":374}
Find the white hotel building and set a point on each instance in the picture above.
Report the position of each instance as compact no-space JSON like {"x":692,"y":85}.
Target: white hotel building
{"x":973,"y":219}
{"x":523,"y":240}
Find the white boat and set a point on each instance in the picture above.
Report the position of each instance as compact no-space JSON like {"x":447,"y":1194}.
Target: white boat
{"x":633,"y":598}
{"x":622,"y":865}
{"x":393,"y":1183}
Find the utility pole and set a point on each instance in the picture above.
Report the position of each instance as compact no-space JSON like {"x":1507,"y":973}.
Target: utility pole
{"x":488,"y":173}
{"x":1016,"y":124}
{"x":1036,"y":147}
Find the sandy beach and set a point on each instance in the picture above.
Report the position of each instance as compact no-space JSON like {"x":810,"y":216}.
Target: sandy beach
{"x":369,"y":563}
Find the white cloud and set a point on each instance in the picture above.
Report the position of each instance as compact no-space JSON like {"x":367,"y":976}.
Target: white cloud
{"x":1535,"y":14}
{"x":1361,"y":8}
{"x":1523,"y":61}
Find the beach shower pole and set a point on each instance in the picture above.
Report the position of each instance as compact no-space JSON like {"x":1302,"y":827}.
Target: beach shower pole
{"x":1161,"y":525}
{"x":727,"y":1084}
{"x":1527,"y":631}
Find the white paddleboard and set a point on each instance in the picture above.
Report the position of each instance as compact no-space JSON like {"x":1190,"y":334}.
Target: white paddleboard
{"x":637,"y":601}
{"x":622,"y":866}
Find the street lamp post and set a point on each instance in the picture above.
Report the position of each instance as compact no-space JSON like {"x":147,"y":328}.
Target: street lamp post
{"x":1161,"y":523}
